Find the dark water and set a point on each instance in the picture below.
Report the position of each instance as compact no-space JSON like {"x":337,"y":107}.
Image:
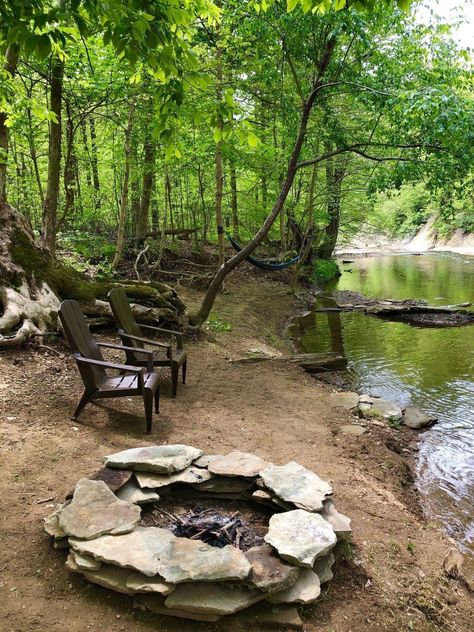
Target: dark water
{"x":431,"y":368}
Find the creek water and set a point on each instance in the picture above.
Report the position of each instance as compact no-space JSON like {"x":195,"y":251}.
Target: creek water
{"x":431,"y":368}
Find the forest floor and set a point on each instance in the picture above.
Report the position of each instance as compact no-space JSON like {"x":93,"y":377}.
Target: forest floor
{"x":392,"y":577}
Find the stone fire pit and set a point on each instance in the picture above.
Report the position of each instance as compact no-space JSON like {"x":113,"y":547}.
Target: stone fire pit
{"x":202,"y":536}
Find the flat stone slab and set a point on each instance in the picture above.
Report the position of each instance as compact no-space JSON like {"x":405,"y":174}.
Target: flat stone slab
{"x":191,"y":474}
{"x":300,"y":537}
{"x":114,"y":479}
{"x":85,"y":562}
{"x":51,"y":523}
{"x":158,"y":458}
{"x":306,"y":589}
{"x":353,"y":429}
{"x":155,"y":551}
{"x":224,"y":485}
{"x":346,"y":400}
{"x":237,"y":464}
{"x":134,"y":494}
{"x":269,"y":572}
{"x":282,"y":617}
{"x":296,"y":484}
{"x":322,"y":567}
{"x":205,"y":459}
{"x":95,"y":510}
{"x":155,"y":604}
{"x":212,"y":598}
{"x":142,"y":584}
{"x":415,"y":418}
{"x":339,"y":522}
{"x":107,"y":576}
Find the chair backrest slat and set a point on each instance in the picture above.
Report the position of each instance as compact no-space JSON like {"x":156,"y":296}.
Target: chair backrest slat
{"x":124,"y":316}
{"x":79,"y":337}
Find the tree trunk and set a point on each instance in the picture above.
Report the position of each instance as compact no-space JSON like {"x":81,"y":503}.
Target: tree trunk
{"x":50,"y":207}
{"x":33,"y":282}
{"x":234,"y":199}
{"x":148,"y":177}
{"x":308,"y":239}
{"x":124,"y":194}
{"x":94,"y":164}
{"x":11,"y":62}
{"x":218,"y":158}
{"x":198,"y":318}
{"x":335,"y":172}
{"x":69,"y":169}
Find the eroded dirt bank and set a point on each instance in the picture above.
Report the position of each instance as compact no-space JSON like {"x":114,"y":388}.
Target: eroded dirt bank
{"x":391,"y":579}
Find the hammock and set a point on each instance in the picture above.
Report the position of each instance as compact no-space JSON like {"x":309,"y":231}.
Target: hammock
{"x":264,"y":264}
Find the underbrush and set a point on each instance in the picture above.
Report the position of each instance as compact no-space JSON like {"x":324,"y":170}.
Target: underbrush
{"x":324,"y":270}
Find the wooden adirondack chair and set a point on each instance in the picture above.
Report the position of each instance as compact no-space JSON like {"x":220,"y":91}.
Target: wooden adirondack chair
{"x":98,"y":384}
{"x":131,"y":335}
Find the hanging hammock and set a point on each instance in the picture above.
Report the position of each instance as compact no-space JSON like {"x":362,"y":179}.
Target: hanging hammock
{"x":264,"y":264}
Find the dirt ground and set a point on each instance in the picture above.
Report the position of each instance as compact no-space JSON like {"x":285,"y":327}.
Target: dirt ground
{"x":391,"y":578}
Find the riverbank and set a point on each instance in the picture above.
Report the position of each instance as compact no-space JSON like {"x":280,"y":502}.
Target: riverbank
{"x":391,"y":578}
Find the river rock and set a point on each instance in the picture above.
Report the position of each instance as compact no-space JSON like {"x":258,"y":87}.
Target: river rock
{"x":323,"y":567}
{"x":415,"y":418}
{"x":158,"y":458}
{"x":155,"y":603}
{"x":85,"y":562}
{"x":345,"y":400}
{"x":296,"y":484}
{"x":155,"y":551}
{"x":191,"y":474}
{"x":224,"y":485}
{"x":365,"y":399}
{"x":381,"y":408}
{"x":137,"y":582}
{"x":134,"y":494}
{"x":269,"y":572}
{"x":300,"y":537}
{"x":339,"y":522}
{"x":212,"y":598}
{"x":95,"y":510}
{"x":306,"y":589}
{"x":237,"y":464}
{"x":51,"y":523}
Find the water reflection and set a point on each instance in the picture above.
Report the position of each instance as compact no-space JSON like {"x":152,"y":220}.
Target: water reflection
{"x":430,"y":368}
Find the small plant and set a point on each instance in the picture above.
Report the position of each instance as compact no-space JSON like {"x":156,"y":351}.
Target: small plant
{"x":411,"y":547}
{"x":394,"y":422}
{"x":324,"y":270}
{"x":215,"y":324}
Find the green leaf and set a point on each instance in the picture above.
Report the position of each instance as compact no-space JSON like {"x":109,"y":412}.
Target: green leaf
{"x":253,"y":140}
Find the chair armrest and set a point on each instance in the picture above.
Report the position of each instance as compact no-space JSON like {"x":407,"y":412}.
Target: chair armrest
{"x":155,"y":343}
{"x":110,"y":365}
{"x":147,"y":352}
{"x":177,"y":334}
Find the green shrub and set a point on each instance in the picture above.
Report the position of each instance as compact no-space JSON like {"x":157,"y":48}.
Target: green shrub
{"x":324,"y":270}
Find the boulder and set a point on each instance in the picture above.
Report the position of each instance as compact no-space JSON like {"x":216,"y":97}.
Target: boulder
{"x":133,"y":494}
{"x":346,"y":400}
{"x":191,"y":474}
{"x":306,"y":589}
{"x":237,"y":464}
{"x":159,"y":458}
{"x":95,"y":510}
{"x":296,"y":484}
{"x":355,"y":430}
{"x":155,"y":551}
{"x":300,"y":537}
{"x":415,"y":418}
{"x":381,"y":408}
{"x":269,"y":572}
{"x":212,"y":598}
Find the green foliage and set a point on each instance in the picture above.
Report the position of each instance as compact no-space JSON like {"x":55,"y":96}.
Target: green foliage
{"x":215,"y":324}
{"x":324,"y":270}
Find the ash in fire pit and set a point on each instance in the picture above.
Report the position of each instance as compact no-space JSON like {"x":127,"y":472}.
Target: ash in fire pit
{"x":210,"y":522}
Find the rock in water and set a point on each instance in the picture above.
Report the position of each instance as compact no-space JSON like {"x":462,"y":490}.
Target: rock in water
{"x":300,"y":537}
{"x":155,"y":551}
{"x":269,"y":572}
{"x":346,"y":400}
{"x":95,"y":510}
{"x":237,"y":464}
{"x":189,"y":475}
{"x":381,"y":408}
{"x":296,"y":484}
{"x":306,"y":589}
{"x":212,"y":598}
{"x":416,"y":419}
{"x":158,"y":458}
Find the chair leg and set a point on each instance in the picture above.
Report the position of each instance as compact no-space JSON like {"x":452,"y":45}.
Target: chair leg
{"x":157,"y":400}
{"x":85,"y":399}
{"x":148,"y":403}
{"x":183,"y":368}
{"x":174,"y":378}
